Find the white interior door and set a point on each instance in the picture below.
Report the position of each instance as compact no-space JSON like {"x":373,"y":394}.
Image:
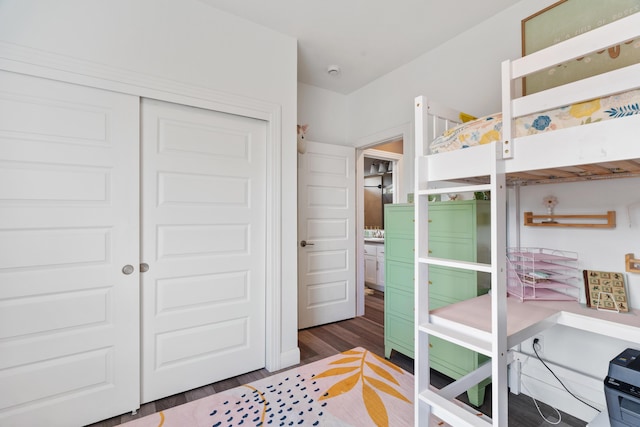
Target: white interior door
{"x":326,"y":234}
{"x":69,"y":215}
{"x":203,"y":237}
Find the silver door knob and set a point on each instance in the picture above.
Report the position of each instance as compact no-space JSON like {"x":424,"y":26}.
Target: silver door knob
{"x":304,"y":243}
{"x":127,"y":269}
{"x":144,"y":267}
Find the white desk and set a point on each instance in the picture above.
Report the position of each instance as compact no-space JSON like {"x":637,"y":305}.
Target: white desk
{"x":602,"y":420}
{"x":526,"y":319}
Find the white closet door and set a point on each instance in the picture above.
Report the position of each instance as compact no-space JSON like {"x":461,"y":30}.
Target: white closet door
{"x":204,"y":240}
{"x":69,"y":317}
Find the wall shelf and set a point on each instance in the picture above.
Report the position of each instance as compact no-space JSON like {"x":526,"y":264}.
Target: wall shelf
{"x":607,"y":220}
{"x":632,"y":265}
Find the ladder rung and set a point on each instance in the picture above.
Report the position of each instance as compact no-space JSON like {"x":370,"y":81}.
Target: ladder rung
{"x":473,"y":342}
{"x":463,"y":265}
{"x":461,"y":385}
{"x":454,"y":413}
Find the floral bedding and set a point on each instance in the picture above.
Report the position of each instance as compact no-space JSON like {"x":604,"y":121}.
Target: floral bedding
{"x":489,"y":128}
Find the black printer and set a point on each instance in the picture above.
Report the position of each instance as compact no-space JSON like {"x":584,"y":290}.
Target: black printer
{"x":622,"y":389}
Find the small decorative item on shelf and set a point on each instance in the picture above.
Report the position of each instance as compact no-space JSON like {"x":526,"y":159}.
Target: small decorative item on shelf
{"x":550,"y":202}
{"x":482,"y":195}
{"x":542,"y":274}
{"x":453,"y":196}
{"x":632,"y":264}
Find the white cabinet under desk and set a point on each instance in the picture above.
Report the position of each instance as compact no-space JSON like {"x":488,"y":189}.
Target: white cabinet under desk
{"x":374,"y":264}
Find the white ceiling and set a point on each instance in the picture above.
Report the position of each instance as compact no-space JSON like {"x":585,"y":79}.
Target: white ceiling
{"x":366,"y":38}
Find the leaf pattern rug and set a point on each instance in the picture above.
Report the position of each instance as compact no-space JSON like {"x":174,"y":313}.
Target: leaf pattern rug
{"x":354,"y":388}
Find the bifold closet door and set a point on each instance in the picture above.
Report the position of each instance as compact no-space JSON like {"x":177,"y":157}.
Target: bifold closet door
{"x":69,"y":223}
{"x":203,"y":237}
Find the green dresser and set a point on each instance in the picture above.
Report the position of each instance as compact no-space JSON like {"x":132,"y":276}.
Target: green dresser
{"x":398,"y":292}
{"x":457,"y":230}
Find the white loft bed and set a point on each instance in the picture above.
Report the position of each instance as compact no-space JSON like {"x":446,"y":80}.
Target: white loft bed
{"x":492,"y":324}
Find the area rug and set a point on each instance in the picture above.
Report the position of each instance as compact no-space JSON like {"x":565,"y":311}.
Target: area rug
{"x":354,"y":388}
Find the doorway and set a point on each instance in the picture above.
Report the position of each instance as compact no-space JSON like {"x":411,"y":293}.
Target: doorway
{"x":379,"y":182}
{"x":378,"y":191}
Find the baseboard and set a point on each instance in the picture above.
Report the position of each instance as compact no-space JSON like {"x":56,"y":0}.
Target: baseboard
{"x":289,"y":358}
{"x":537,"y":382}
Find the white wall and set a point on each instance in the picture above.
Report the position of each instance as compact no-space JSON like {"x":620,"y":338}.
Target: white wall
{"x":469,"y":63}
{"x":325,"y":112}
{"x":183,"y":41}
{"x":598,"y":249}
{"x":181,"y":47}
{"x":463,"y":73}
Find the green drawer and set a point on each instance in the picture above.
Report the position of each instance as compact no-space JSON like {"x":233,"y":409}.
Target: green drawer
{"x":452,"y":284}
{"x":399,"y":303}
{"x":399,"y":219}
{"x":400,"y":331}
{"x":399,"y":249}
{"x":452,"y":219}
{"x":399,"y":275}
{"x":436,"y":301}
{"x":452,"y":248}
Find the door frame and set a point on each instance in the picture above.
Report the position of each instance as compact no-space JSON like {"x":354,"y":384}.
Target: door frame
{"x":404,"y":172}
{"x":80,"y":72}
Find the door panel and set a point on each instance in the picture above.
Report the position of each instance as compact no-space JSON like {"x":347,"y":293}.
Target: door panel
{"x":69,"y":215}
{"x":204,"y":209}
{"x":326,"y":220}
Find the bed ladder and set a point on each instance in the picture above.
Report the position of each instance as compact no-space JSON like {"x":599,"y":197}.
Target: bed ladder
{"x":431,"y":402}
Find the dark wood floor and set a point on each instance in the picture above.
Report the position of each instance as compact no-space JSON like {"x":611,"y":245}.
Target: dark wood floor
{"x":327,"y":340}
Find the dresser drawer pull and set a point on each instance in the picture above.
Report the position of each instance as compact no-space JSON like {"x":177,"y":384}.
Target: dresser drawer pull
{"x":430,"y":282}
{"x":430,"y":251}
{"x":430,"y":345}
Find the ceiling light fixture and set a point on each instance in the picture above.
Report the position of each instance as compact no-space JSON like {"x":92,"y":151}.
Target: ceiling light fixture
{"x":333,"y":70}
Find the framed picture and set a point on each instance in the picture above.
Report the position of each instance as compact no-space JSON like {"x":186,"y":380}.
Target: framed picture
{"x":569,"y":18}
